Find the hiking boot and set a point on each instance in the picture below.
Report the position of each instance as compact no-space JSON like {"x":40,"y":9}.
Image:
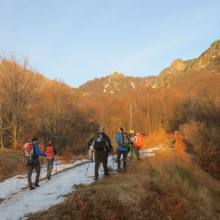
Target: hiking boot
{"x":95,"y":178}
{"x":36,"y":185}
{"x":48,"y":177}
{"x":31,"y":188}
{"x":107,"y":175}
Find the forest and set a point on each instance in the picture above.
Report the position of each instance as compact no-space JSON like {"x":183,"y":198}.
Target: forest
{"x":32,"y":105}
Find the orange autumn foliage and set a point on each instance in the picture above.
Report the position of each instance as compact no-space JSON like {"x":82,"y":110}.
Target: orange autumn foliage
{"x":156,"y":138}
{"x":179,"y":144}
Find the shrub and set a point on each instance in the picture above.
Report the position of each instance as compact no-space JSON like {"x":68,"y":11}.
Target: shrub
{"x":206,"y":145}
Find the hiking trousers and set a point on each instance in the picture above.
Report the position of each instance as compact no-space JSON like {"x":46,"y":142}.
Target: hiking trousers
{"x":101,"y":157}
{"x":49,"y":168}
{"x":137,"y":152}
{"x":30,"y":171}
{"x":125,"y":155}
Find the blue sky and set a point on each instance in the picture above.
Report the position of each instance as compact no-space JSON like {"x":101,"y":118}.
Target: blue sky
{"x":79,"y":40}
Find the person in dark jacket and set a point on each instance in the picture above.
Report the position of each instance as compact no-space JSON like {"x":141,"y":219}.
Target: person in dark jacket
{"x":34,"y":163}
{"x":102,"y":147}
{"x":50,"y":153}
{"x":123,"y":148}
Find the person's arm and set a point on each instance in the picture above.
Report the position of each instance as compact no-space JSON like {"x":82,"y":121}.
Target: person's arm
{"x":135,"y":141}
{"x":55,"y":151}
{"x":91,"y":142}
{"x":37,"y":150}
{"x":108,"y":142}
{"x":129,"y":140}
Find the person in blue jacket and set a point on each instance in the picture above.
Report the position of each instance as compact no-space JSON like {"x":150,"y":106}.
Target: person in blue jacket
{"x":34,"y":163}
{"x":123,"y":148}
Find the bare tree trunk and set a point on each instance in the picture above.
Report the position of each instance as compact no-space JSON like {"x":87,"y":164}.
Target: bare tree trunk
{"x":131,"y":117}
{"x":14,"y":135}
{"x":1,"y":140}
{"x":1,"y":134}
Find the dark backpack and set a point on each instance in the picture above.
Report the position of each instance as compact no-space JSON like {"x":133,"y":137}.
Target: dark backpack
{"x":34,"y":158}
{"x":100,"y":143}
{"x":124,"y":140}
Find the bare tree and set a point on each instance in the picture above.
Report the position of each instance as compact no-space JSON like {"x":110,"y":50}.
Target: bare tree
{"x":16,"y":86}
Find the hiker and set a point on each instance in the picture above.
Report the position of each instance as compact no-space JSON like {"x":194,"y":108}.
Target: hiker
{"x":131,"y":136}
{"x":102,"y":147}
{"x":138,"y":143}
{"x":50,"y":153}
{"x":32,"y":153}
{"x":179,"y":144}
{"x":123,"y":148}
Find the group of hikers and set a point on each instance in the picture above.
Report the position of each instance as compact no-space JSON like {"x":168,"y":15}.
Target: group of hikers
{"x":99,"y":147}
{"x":32,"y":154}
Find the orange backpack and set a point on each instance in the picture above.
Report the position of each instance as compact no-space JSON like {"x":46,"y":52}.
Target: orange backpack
{"x":139,"y":141}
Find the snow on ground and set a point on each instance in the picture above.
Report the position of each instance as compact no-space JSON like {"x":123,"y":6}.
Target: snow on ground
{"x":19,"y":201}
{"x":15,"y":184}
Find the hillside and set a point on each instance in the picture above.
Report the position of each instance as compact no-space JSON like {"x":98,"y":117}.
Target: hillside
{"x":208,"y":61}
{"x":162,"y":187}
{"x":116,"y":83}
{"x":32,"y":105}
{"x":184,"y":97}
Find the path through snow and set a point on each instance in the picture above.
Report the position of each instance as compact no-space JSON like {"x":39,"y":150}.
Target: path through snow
{"x":18,"y":201}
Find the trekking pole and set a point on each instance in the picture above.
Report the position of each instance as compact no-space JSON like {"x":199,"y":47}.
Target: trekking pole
{"x":113,"y":163}
{"x":56,"y":168}
{"x":87,"y":168}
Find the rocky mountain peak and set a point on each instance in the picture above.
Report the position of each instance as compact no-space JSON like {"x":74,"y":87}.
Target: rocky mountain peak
{"x":116,"y":75}
{"x":178,"y":65}
{"x":210,"y":57}
{"x":117,"y":83}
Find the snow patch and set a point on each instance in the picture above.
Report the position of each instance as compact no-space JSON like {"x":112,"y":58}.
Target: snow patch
{"x":133,"y":85}
{"x":18,"y":202}
{"x":106,"y":86}
{"x":154,"y":86}
{"x":17,"y":205}
{"x":15,"y":184}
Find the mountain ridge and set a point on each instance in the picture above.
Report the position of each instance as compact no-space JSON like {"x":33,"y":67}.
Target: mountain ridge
{"x":120,"y":83}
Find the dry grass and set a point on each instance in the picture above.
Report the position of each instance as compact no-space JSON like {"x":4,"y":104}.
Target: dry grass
{"x":162,"y":187}
{"x":68,"y":157}
{"x":11,"y":163}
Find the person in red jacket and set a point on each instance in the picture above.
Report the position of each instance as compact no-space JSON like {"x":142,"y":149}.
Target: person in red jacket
{"x":138,"y":143}
{"x":50,"y":153}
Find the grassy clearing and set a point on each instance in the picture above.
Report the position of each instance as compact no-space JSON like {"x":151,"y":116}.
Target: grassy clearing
{"x":163,"y":187}
{"x":11,"y":163}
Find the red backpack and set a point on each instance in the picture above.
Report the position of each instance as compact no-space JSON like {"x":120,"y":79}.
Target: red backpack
{"x":28,"y":149}
{"x":50,"y":152}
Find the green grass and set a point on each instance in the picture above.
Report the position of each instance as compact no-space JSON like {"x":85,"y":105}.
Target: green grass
{"x":186,"y":175}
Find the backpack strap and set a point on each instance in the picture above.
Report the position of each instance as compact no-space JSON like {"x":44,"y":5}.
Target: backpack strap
{"x":122,"y":136}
